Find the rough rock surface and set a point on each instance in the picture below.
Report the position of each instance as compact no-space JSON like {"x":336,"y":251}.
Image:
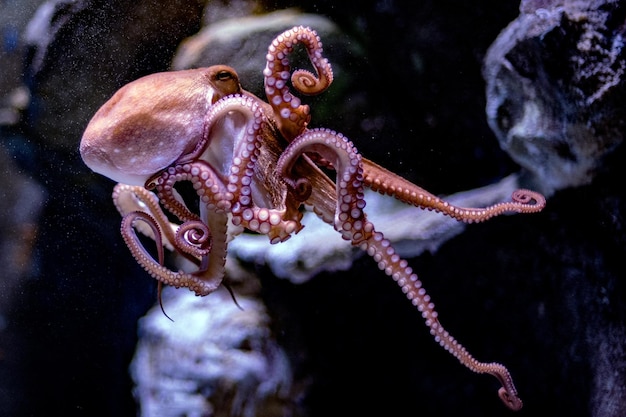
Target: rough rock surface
{"x":212,"y":358}
{"x":555,"y":87}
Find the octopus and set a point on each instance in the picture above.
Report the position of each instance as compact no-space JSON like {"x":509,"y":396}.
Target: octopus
{"x":255,"y":165}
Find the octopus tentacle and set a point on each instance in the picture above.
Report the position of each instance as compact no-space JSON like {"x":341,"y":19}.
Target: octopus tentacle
{"x":129,"y":198}
{"x":238,"y":190}
{"x":386,"y":182}
{"x":245,"y":103}
{"x":212,"y":266}
{"x":388,"y":261}
{"x":294,"y":116}
{"x":191,"y":239}
{"x":268,"y":222}
{"x":342,"y":155}
{"x":201,"y":285}
{"x":206,"y":182}
{"x":350,"y":219}
{"x":194,"y":238}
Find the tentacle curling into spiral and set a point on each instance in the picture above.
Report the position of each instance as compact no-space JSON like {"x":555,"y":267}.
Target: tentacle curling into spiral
{"x":200,"y":285}
{"x":293,"y":117}
{"x":194,"y":238}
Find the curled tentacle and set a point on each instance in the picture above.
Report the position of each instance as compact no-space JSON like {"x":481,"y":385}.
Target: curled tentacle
{"x":386,"y":182}
{"x":201,"y":285}
{"x":194,"y":237}
{"x":349,"y":219}
{"x":525,"y":199}
{"x":310,"y":84}
{"x":294,"y":116}
{"x":383,"y":253}
{"x":129,"y":198}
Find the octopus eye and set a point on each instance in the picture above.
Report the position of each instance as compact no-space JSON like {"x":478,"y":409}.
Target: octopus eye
{"x":224,"y":75}
{"x":225,"y":81}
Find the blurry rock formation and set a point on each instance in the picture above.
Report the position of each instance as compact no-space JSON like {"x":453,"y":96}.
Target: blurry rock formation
{"x":212,"y":358}
{"x":556,"y":86}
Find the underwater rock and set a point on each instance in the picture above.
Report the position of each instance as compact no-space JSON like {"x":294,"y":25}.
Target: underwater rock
{"x":212,"y":358}
{"x":555,"y":88}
